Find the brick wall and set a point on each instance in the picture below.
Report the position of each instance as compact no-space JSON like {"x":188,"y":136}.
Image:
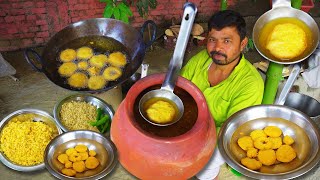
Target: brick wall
{"x":30,"y":23}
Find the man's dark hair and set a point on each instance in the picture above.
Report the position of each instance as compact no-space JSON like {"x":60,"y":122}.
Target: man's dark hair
{"x":228,"y":18}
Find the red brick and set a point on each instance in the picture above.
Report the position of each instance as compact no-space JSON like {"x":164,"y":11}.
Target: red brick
{"x":40,"y":4}
{"x":71,"y":2}
{"x":27,"y":4}
{"x":3,"y":13}
{"x":5,"y":7}
{"x":39,"y":40}
{"x":3,"y":32}
{"x":51,"y":4}
{"x":31,"y":17}
{"x":41,"y":16}
{"x":15,"y":12}
{"x":2,"y":20}
{"x":12,"y":30}
{"x":38,"y":10}
{"x":158,"y":12}
{"x":33,"y":29}
{"x":9,"y":19}
{"x":20,"y":18}
{"x":81,"y":7}
{"x":160,"y":6}
{"x":43,"y":34}
{"x":41,"y":22}
{"x":27,"y":42}
{"x":44,"y":27}
{"x":16,"y":5}
{"x":27,"y":35}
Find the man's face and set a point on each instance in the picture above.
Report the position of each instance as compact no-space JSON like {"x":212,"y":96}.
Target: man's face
{"x":224,"y":46}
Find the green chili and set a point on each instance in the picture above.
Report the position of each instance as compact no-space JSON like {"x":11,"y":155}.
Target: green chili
{"x":99,"y":114}
{"x":106,"y":126}
{"x":101,"y":121}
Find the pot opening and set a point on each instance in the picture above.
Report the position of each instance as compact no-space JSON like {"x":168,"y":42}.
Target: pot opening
{"x":186,"y":122}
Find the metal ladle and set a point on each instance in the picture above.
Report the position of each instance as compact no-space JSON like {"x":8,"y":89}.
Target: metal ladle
{"x":166,"y":90}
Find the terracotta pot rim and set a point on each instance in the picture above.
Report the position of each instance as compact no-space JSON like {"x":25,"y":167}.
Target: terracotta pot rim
{"x":185,"y":85}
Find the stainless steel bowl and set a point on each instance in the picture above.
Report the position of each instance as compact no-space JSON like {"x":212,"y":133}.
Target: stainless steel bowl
{"x":106,"y":153}
{"x":292,"y":122}
{"x":97,"y":102}
{"x":48,"y":119}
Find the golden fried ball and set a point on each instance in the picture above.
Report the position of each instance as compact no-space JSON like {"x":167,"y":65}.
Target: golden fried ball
{"x":70,"y":151}
{"x":84,"y":53}
{"x":98,"y":60}
{"x":276,"y":142}
{"x":92,"y":162}
{"x":68,"y":172}
{"x":94,"y":71}
{"x":96,"y":82}
{"x":112,"y":73}
{"x":267,"y":157}
{"x":287,"y":41}
{"x":117,"y":59}
{"x":78,"y":80}
{"x":285,"y":153}
{"x":79,"y":166}
{"x":257,"y":133}
{"x":68,"y":55}
{"x":245,"y":142}
{"x":161,"y":112}
{"x":272,"y":131}
{"x":67,"y":69}
{"x":262,"y":143}
{"x":251,"y":163}
{"x":288,"y":140}
{"x":81,"y":148}
{"x":83,"y":65}
{"x":252,"y":152}
{"x":92,"y":153}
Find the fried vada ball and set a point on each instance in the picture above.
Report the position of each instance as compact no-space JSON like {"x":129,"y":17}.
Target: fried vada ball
{"x":74,"y":157}
{"x":81,"y":148}
{"x":98,"y":60}
{"x":251,"y":163}
{"x":79,"y":166}
{"x":288,"y":140}
{"x":68,"y":55}
{"x":94,"y":71}
{"x":286,"y":41}
{"x":62,"y":158}
{"x":262,"y":143}
{"x":92,"y":162}
{"x":112,"y":73}
{"x":252,"y":152}
{"x":67,"y":69}
{"x":68,"y":172}
{"x":160,"y":112}
{"x":285,"y":153}
{"x":96,"y":82}
{"x":257,"y":133}
{"x":68,"y":164}
{"x":84,"y":155}
{"x":70,"y":151}
{"x":276,"y":142}
{"x":272,"y":131}
{"x":245,"y":142}
{"x":83,"y":65}
{"x":84,"y":53}
{"x":78,"y":80}
{"x":92,"y":153}
{"x":267,"y":157}
{"x":117,"y":59}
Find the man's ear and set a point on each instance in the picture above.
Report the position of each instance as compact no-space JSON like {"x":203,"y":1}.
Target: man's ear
{"x":244,"y":43}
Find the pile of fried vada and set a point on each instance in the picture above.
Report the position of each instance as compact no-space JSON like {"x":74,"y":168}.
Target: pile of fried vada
{"x":78,"y":160}
{"x":82,"y":68}
{"x":266,"y":147}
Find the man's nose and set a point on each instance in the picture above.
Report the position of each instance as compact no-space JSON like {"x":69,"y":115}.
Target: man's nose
{"x":218,"y":46}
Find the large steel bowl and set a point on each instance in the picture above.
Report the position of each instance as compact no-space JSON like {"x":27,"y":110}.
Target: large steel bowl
{"x":106,"y":153}
{"x":292,"y":122}
{"x":48,"y":119}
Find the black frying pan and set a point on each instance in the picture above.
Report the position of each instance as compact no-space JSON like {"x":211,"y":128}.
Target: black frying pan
{"x":96,"y":33}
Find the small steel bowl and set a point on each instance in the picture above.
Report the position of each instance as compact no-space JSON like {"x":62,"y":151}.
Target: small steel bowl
{"x":292,"y":122}
{"x":97,"y":102}
{"x":106,"y":153}
{"x":48,"y":119}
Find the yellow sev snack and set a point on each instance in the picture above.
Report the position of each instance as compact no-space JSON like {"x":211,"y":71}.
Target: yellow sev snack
{"x":23,"y":141}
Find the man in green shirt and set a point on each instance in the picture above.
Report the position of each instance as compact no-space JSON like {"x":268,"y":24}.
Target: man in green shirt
{"x":228,"y":81}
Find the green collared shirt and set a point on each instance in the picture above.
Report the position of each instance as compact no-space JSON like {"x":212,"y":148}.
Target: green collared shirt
{"x":243,"y":88}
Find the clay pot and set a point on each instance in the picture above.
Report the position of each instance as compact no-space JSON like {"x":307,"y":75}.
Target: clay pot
{"x":178,"y":151}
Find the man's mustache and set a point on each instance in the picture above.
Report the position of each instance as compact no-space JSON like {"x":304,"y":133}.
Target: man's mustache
{"x":212,"y":53}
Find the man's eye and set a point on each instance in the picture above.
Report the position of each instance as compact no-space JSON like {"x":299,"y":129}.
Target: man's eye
{"x":227,"y":41}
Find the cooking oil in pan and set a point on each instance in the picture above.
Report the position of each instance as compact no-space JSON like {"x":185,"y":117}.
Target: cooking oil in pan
{"x":267,"y":29}
{"x":99,"y":45}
